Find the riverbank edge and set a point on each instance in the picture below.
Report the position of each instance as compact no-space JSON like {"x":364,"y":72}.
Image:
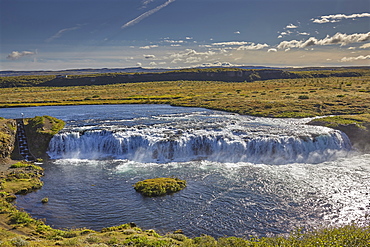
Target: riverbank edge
{"x":17,"y":226}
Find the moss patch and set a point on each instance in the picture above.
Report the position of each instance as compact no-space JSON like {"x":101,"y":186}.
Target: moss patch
{"x":159,"y":186}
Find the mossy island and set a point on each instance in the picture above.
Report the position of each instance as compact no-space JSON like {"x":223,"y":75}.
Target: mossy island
{"x":159,"y":186}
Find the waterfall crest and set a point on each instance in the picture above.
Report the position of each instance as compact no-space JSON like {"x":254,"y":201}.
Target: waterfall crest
{"x":161,"y":144}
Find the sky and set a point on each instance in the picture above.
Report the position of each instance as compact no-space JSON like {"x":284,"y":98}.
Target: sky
{"x":78,"y":34}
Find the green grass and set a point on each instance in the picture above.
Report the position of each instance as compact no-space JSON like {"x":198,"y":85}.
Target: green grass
{"x":159,"y":186}
{"x":22,"y":164}
{"x":361,"y":121}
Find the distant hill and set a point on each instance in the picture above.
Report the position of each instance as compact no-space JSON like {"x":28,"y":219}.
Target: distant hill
{"x":83,"y":77}
{"x":82,"y":71}
{"x":157,"y":70}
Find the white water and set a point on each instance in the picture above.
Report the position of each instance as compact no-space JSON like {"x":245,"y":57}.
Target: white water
{"x":221,"y":138}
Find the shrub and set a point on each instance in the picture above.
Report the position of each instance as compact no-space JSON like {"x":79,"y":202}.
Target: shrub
{"x":93,"y":239}
{"x":18,"y":241}
{"x":177,"y":236}
{"x":303,"y":97}
{"x":20,"y":218}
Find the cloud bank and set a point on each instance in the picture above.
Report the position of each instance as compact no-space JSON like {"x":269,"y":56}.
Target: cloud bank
{"x":253,"y":47}
{"x":352,"y":59}
{"x":338,"y":17}
{"x":231,"y":43}
{"x":338,"y":38}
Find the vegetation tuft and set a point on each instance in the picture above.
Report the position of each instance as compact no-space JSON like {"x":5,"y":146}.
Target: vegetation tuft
{"x":159,"y":186}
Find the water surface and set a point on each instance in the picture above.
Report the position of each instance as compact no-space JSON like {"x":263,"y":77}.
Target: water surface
{"x":245,"y":175}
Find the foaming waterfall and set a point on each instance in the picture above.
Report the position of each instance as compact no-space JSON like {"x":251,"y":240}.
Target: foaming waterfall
{"x":161,"y":145}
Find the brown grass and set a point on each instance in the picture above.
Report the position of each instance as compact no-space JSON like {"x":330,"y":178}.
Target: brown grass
{"x":275,"y":98}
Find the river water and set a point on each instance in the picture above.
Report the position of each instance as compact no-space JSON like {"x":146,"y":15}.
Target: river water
{"x":245,"y":175}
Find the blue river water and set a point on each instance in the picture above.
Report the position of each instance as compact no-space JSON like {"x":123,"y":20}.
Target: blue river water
{"x":245,"y":175}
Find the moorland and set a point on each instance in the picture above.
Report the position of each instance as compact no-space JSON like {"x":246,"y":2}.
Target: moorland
{"x":344,"y":92}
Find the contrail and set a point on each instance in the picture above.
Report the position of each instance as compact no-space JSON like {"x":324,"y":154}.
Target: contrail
{"x":146,"y":14}
{"x":60,"y":32}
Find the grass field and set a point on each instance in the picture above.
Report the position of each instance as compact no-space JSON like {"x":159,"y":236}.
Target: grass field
{"x":274,"y":98}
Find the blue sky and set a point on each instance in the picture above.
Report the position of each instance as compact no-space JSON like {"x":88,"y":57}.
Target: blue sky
{"x":72,"y":34}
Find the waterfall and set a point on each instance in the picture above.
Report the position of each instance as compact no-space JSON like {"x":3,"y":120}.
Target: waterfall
{"x":163,"y":144}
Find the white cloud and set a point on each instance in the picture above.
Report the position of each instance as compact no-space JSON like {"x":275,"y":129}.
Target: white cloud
{"x":217,"y":64}
{"x":148,"y":47}
{"x":352,"y":59}
{"x":253,"y":47}
{"x":193,"y":60}
{"x":174,"y":41}
{"x":237,"y":32}
{"x":232,"y":43}
{"x":338,"y":17}
{"x":289,"y":44}
{"x":14,"y":55}
{"x":304,"y":33}
{"x":365,"y":46}
{"x":291,"y":26}
{"x":282,"y":34}
{"x":338,"y":38}
{"x":190,"y":56}
{"x":146,"y":14}
{"x":345,"y":39}
{"x":149,"y":56}
{"x":272,"y":50}
{"x":145,"y":3}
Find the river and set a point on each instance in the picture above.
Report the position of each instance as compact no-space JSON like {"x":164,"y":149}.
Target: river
{"x":245,"y":175}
